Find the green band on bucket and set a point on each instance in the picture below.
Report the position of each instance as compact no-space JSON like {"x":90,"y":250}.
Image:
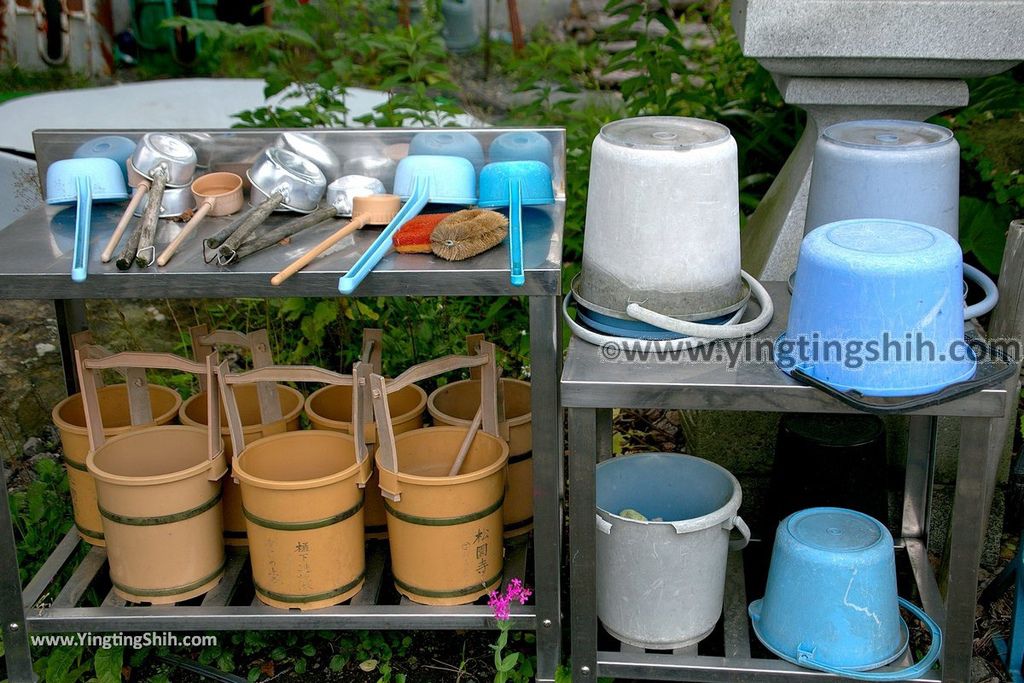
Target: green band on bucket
{"x":165,"y":592}
{"x":98,"y":535}
{"x":302,"y":526}
{"x":298,"y":599}
{"x":162,"y":519}
{"x":519,"y":525}
{"x":522,"y":457}
{"x":457,"y":593}
{"x":443,"y":521}
{"x":75,"y":465}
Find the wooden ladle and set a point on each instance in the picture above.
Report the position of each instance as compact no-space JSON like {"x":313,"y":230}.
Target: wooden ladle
{"x":377,"y":209}
{"x":217,"y":194}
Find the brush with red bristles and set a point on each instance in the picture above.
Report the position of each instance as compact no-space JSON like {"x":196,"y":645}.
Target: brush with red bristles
{"x":414,"y":235}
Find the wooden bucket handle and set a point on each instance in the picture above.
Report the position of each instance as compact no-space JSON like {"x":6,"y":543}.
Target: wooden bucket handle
{"x":296,"y":373}
{"x":373,"y":347}
{"x":83,"y":340}
{"x":135,"y":365}
{"x":380,"y":388}
{"x":257,"y":343}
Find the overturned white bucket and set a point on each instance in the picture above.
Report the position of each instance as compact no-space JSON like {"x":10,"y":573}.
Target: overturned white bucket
{"x":661,"y":580}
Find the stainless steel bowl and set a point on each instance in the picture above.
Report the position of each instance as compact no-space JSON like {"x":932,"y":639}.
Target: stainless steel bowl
{"x":175,"y":202}
{"x":203,"y":144}
{"x":163,"y":150}
{"x":300,"y":180}
{"x":305,"y":145}
{"x":342,"y":192}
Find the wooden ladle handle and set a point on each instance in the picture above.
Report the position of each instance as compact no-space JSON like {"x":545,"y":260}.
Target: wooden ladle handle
{"x":126,"y":218}
{"x":192,"y":224}
{"x":298,"y":264}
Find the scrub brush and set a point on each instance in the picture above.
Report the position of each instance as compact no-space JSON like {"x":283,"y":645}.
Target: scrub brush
{"x":414,"y":236}
{"x":465,"y":234}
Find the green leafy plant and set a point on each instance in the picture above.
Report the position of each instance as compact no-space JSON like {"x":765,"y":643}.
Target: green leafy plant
{"x":315,"y":51}
{"x":41,"y":514}
{"x":990,"y":131}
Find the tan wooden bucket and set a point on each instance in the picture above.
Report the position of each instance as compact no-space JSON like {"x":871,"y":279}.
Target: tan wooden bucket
{"x":158,"y":491}
{"x":444,"y":529}
{"x":302,"y":498}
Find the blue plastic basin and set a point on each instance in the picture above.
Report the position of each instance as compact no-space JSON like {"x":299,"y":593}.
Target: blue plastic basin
{"x":534,"y":179}
{"x":524,"y":145}
{"x":447,"y":143}
{"x":892,"y":285}
{"x":447,"y":179}
{"x":115,"y":147}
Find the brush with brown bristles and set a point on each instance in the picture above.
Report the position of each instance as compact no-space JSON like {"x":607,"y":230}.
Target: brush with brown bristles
{"x":467,"y":233}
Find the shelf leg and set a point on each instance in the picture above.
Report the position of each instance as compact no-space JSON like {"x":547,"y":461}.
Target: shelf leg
{"x":70,"y":320}
{"x":548,"y":475}
{"x":605,"y":443}
{"x":583,"y":452}
{"x":981,"y":445}
{"x":918,"y":483}
{"x":17,"y":653}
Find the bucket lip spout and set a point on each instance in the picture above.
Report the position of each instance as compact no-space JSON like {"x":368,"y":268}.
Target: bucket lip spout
{"x":436,"y":412}
{"x":238,"y":469}
{"x":421,"y":480}
{"x":723,"y":514}
{"x":344,"y":425}
{"x":246,"y":428}
{"x":64,"y":425}
{"x":148,"y":432}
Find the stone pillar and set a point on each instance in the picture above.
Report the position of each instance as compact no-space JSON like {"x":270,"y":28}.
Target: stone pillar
{"x":843,"y":60}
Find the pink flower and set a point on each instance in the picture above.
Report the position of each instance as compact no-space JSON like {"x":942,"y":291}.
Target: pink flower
{"x":501,"y":603}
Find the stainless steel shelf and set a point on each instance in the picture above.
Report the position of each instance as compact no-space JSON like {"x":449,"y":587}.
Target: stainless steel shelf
{"x":222,"y":608}
{"x":738,"y":664}
{"x":35,"y":258}
{"x":695,"y":381}
{"x":35,"y":251}
{"x":593,"y":384}
{"x":35,"y":255}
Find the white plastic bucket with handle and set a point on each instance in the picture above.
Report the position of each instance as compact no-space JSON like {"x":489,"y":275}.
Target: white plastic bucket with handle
{"x":661,"y":581}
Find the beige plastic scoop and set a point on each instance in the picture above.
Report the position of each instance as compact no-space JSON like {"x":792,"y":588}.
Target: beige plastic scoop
{"x":377,"y":209}
{"x":217,"y":194}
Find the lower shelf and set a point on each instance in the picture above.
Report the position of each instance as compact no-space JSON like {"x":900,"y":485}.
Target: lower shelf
{"x":231,"y":606}
{"x":738,"y":664}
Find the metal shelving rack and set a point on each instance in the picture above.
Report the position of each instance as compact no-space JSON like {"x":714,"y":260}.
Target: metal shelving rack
{"x":35,"y":259}
{"x":593,"y":384}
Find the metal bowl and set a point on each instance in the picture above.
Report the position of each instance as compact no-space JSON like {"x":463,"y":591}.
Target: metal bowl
{"x":307,"y":146}
{"x":300,"y":180}
{"x":174,"y":155}
{"x":341,"y":193}
{"x":175,"y":202}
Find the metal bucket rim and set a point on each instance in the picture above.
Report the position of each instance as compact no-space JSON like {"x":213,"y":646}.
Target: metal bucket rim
{"x":622,"y":315}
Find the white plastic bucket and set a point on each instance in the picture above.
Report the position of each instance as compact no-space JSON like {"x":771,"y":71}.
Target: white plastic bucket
{"x":661,"y":582}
